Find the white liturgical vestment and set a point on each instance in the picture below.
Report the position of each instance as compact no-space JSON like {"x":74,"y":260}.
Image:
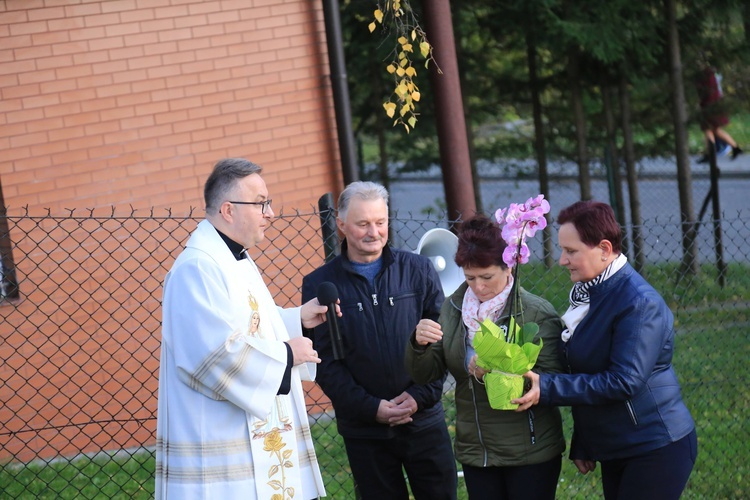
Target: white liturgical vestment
{"x":222,"y":431}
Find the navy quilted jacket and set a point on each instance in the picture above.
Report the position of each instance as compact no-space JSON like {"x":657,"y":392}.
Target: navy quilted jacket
{"x":376,"y":325}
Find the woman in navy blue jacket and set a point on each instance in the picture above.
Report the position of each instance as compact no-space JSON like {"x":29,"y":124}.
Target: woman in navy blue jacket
{"x":627,"y":409}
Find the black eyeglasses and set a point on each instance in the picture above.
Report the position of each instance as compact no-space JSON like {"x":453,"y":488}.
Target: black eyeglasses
{"x":264,"y":205}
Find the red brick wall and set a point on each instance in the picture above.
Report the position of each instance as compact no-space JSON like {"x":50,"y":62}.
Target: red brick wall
{"x":129,"y":103}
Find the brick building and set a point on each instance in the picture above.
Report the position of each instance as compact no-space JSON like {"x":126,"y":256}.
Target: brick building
{"x":110,"y":106}
{"x":130,"y":102}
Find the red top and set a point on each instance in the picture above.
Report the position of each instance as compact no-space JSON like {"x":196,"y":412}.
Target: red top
{"x":708,"y":87}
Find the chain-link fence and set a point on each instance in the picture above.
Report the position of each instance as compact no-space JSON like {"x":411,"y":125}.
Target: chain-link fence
{"x":80,"y":334}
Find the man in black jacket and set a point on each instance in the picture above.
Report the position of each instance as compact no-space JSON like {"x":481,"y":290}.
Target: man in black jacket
{"x":389,"y":423}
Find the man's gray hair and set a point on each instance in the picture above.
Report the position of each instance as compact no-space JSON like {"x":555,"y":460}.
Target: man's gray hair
{"x":363,"y":190}
{"x":224,"y":178}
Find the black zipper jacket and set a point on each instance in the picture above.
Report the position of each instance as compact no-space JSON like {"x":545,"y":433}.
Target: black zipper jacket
{"x":376,"y":325}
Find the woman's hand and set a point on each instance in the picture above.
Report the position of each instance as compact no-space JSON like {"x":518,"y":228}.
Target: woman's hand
{"x":428,"y":332}
{"x":476,"y":371}
{"x":585,"y":466}
{"x":530,"y":398}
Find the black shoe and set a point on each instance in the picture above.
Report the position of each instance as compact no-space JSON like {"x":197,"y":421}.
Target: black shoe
{"x":736,"y":151}
{"x":704,"y":158}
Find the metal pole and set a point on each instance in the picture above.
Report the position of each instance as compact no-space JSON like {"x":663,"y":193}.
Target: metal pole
{"x":455,"y":160}
{"x":721,"y":266}
{"x":340,"y":89}
{"x":328,"y":226}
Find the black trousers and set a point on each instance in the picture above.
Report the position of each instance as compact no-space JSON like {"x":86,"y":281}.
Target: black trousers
{"x":657,"y":475}
{"x":527,"y":482}
{"x":378,"y":465}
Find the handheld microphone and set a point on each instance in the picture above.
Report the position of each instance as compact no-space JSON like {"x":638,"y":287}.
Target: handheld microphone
{"x":327,"y":296}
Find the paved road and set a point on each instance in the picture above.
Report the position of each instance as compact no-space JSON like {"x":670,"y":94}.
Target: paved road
{"x":657,"y":191}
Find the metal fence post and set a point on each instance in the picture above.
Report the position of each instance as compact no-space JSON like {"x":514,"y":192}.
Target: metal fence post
{"x":328,"y":226}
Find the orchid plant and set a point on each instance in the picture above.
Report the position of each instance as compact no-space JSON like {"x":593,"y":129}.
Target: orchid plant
{"x":507,"y":357}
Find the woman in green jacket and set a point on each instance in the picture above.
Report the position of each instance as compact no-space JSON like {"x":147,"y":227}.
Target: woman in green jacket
{"x":504,"y":454}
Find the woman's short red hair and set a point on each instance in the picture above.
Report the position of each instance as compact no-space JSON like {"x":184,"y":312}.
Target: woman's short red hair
{"x":595,"y":221}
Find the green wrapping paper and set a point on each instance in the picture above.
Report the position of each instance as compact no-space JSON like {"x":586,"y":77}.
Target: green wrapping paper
{"x":505,"y":361}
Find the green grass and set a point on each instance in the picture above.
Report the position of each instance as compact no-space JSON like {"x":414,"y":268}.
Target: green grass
{"x":334,"y":466}
{"x":120,"y":476}
{"x":739,"y":128}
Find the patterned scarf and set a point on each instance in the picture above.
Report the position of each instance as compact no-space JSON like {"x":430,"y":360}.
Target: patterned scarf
{"x":473,"y":312}
{"x":580,"y":298}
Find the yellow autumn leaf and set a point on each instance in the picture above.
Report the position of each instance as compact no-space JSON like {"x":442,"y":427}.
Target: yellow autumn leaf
{"x":411,"y":71}
{"x":416,"y":96}
{"x":412,"y":121}
{"x":371,"y":26}
{"x":401,"y":90}
{"x":400,"y":72}
{"x":424,"y":48}
{"x":391,"y":68}
{"x":413,"y":35}
{"x":390,"y":109}
{"x":404,"y":110}
{"x":406,"y":127}
{"x":402,"y":40}
{"x":378,"y":15}
{"x":407,"y":47}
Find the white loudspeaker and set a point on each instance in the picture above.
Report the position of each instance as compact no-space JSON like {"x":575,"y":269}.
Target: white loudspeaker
{"x":440,"y":246}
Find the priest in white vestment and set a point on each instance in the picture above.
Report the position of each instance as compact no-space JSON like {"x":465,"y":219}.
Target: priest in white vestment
{"x":232,"y":421}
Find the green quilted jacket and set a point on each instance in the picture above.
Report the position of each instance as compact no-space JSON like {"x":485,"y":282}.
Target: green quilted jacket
{"x":486,"y":437}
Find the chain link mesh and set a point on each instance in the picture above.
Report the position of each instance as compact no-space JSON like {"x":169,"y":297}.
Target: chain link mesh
{"x":80,"y":330}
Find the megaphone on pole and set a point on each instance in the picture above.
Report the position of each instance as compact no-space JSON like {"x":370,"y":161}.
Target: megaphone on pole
{"x":440,"y":246}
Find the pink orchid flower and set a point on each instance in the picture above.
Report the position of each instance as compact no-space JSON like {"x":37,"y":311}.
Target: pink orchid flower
{"x":499,"y":213}
{"x":521,"y":221}
{"x":512,"y":256}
